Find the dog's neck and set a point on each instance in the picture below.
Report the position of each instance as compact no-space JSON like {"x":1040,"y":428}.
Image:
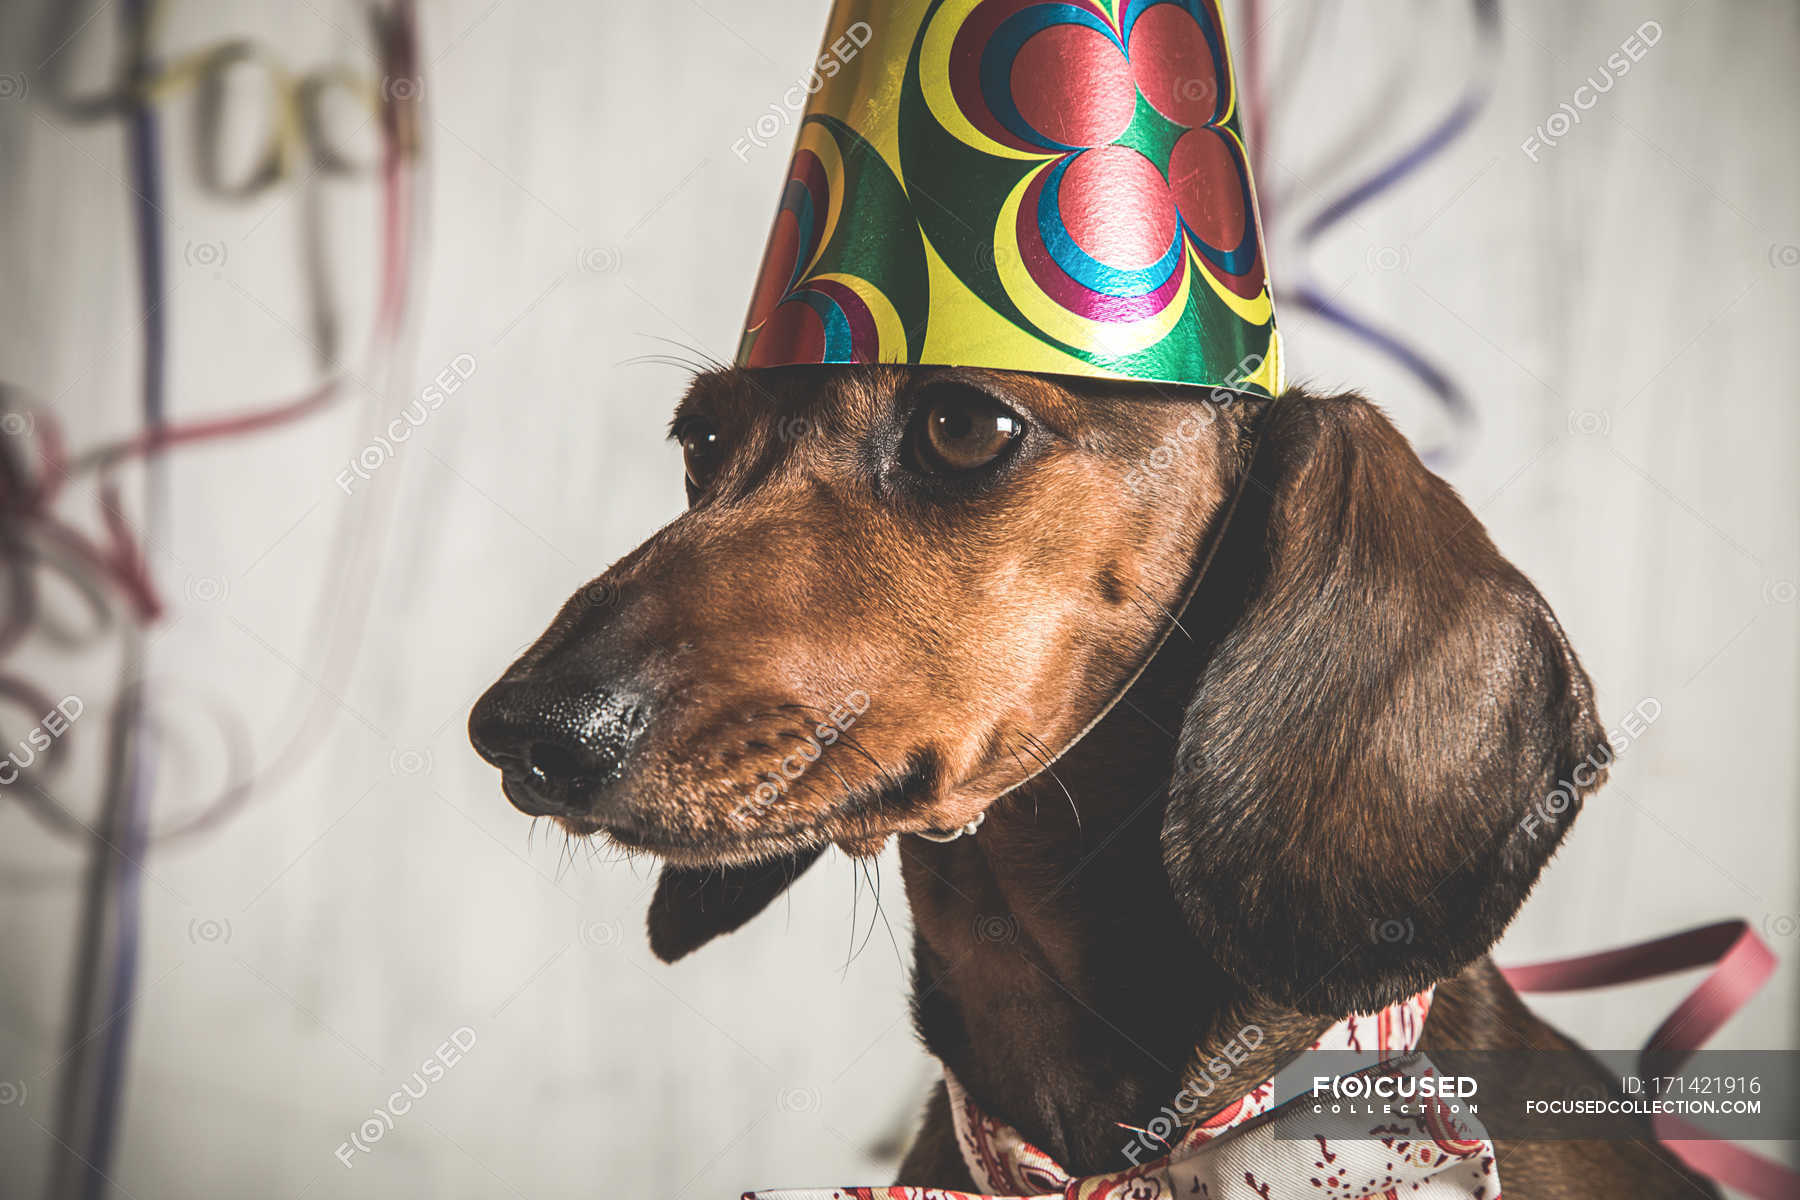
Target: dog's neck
{"x":1055,"y":976}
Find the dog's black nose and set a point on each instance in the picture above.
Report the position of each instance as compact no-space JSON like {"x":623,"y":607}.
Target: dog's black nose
{"x":557,"y":744}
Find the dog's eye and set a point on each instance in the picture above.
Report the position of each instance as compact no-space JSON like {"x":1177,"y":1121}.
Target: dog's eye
{"x":700,"y":452}
{"x":959,"y":429}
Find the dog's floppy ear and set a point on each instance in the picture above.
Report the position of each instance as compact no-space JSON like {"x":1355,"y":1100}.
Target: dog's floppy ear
{"x":694,"y":905}
{"x":1358,"y":806}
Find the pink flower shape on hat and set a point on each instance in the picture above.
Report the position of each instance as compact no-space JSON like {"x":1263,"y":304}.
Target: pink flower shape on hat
{"x":1139,"y":164}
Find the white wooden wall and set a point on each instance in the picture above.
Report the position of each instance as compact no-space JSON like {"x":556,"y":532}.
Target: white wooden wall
{"x":1622,"y":310}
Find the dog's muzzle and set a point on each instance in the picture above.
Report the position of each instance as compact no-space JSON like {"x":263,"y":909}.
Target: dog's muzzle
{"x":559,"y":746}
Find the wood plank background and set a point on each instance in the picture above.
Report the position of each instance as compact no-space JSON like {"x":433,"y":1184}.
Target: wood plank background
{"x":1622,"y":310}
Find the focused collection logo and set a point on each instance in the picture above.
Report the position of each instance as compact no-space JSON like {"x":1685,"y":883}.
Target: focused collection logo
{"x":1365,"y":1094}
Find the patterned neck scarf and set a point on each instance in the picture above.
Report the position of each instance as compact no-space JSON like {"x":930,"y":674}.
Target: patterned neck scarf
{"x":1252,"y":1149}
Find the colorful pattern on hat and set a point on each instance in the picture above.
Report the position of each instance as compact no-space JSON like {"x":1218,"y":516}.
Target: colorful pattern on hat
{"x":1034,"y":185}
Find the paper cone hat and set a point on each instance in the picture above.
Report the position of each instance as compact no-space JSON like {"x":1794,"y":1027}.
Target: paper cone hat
{"x":1020,"y":184}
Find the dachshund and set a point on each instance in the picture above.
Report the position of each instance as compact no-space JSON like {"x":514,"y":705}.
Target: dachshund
{"x":1226,"y":684}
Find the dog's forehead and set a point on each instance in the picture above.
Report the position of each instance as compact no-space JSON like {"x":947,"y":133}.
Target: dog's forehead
{"x":848,"y":396}
{"x":742,"y":395}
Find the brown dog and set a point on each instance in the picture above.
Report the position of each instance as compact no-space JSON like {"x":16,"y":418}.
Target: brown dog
{"x":905,"y":599}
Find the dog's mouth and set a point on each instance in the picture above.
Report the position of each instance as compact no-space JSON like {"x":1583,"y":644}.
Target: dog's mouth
{"x":706,"y":852}
{"x":704,"y":832}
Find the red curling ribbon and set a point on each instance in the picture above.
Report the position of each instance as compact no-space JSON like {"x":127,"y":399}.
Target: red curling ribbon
{"x":1740,"y":964}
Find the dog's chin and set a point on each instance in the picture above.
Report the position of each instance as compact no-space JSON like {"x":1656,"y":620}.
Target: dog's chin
{"x":858,"y":822}
{"x":736,"y":851}
{"x":580,"y":827}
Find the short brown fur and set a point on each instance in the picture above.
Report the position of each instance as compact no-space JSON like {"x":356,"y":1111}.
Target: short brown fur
{"x":1345,"y":736}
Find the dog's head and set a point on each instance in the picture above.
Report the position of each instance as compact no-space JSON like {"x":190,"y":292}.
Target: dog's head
{"x":897,"y":593}
{"x":892,"y":596}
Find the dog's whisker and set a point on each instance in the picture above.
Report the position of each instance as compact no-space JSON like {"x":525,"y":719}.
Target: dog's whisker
{"x":855,"y":894}
{"x":832,"y":767}
{"x":691,"y":368}
{"x":1148,"y":612}
{"x":875,"y":895}
{"x":874,"y":867}
{"x":899,"y":958}
{"x":1165,"y":611}
{"x":1025,"y":772}
{"x":812,"y":791}
{"x":1026,"y":739}
{"x":697,"y":352}
{"x":860,"y":874}
{"x":713,"y":364}
{"x":805,"y":708}
{"x":850,"y":740}
{"x":844,"y":735}
{"x":822,"y":759}
{"x":662,"y":360}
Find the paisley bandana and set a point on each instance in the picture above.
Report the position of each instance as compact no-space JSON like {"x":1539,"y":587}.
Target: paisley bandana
{"x":1252,"y":1149}
{"x":1028,"y":185}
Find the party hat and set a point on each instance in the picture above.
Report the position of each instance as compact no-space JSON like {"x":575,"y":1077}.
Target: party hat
{"x":1031,"y":185}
